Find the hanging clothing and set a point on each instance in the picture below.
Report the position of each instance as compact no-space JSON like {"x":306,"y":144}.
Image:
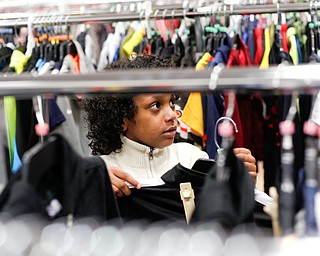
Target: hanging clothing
{"x":267,"y":46}
{"x":193,"y":115}
{"x":162,"y":202}
{"x":18,"y":61}
{"x":123,"y":54}
{"x":80,"y":185}
{"x":134,"y":40}
{"x":258,"y":34}
{"x":293,"y":48}
{"x":213,"y":108}
{"x":283,"y":32}
{"x":110,"y":46}
{"x":11,"y":127}
{"x":204,"y":61}
{"x":315,"y":114}
{"x":78,"y":64}
{"x":252,"y":23}
{"x":229,"y":202}
{"x":5,"y":55}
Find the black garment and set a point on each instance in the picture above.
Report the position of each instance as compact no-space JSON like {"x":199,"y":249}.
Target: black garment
{"x":5,"y":56}
{"x":188,"y":59}
{"x":159,"y":46}
{"x":168,"y":50}
{"x":314,"y":58}
{"x":52,"y":170}
{"x":161,"y":202}
{"x":178,"y":51}
{"x":275,"y":109}
{"x":82,"y":40}
{"x":199,"y":33}
{"x":26,"y":121}
{"x":33,"y":60}
{"x":229,"y":202}
{"x":164,"y":203}
{"x":278,"y":56}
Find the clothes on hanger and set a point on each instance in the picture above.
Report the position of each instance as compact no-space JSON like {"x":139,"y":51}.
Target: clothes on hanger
{"x":55,"y":181}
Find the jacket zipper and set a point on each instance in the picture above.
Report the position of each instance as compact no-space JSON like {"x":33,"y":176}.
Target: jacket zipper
{"x":150,"y":160}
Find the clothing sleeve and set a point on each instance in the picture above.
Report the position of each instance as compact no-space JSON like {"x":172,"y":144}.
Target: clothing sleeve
{"x":315,"y":115}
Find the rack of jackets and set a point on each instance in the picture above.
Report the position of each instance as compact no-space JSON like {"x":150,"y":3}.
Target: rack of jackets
{"x":217,"y":48}
{"x":214,"y":82}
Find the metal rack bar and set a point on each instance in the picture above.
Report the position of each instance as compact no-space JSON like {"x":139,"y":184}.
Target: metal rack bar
{"x":174,"y":13}
{"x":107,"y":82}
{"x":282,"y":80}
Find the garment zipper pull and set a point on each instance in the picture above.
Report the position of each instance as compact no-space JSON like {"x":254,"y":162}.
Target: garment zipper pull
{"x":151,"y":154}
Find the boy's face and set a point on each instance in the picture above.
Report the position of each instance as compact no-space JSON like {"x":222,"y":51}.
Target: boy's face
{"x":155,"y":122}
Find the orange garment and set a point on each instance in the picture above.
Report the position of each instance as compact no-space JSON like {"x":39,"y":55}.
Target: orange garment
{"x":75,"y":63}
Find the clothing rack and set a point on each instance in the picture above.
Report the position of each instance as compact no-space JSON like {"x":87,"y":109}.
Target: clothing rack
{"x":282,"y":79}
{"x":217,"y":9}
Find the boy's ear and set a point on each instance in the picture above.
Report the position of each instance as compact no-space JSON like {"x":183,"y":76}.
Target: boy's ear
{"x":125,"y":124}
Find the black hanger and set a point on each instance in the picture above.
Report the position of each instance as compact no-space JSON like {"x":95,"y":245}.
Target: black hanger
{"x":55,"y":55}
{"x":62,"y":50}
{"x":209,"y":39}
{"x":159,"y":44}
{"x":223,"y":36}
{"x":287,"y":186}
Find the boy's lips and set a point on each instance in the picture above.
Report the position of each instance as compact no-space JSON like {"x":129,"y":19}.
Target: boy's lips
{"x":170,"y":133}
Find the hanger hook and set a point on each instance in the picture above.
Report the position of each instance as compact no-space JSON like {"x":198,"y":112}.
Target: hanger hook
{"x":164,"y":14}
{"x":141,"y":15}
{"x":216,"y":126}
{"x":311,"y":6}
{"x":172,"y":13}
{"x":185,"y":13}
{"x":231,"y":9}
{"x":67,"y":27}
{"x":15,"y":27}
{"x":293,"y":107}
{"x":155,"y":14}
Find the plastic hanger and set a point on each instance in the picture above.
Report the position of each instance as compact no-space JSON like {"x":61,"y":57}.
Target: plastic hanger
{"x":43,"y":156}
{"x":70,"y":45}
{"x":225,"y":130}
{"x":311,"y":186}
{"x":215,"y":130}
{"x":42,"y":128}
{"x":287,"y":188}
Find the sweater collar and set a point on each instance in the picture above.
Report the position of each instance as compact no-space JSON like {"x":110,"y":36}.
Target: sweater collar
{"x":138,"y":154}
{"x":135,"y":146}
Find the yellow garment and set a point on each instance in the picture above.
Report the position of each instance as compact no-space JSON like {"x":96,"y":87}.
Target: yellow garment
{"x":10,"y":119}
{"x":203,"y":62}
{"x":18,"y":61}
{"x":267,"y":47}
{"x":293,"y":52}
{"x":136,"y":38}
{"x":272,"y":29}
{"x":129,"y":34}
{"x":193,"y":115}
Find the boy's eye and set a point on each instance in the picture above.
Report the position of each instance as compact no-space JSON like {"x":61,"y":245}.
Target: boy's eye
{"x":172,"y":102}
{"x":155,"y":105}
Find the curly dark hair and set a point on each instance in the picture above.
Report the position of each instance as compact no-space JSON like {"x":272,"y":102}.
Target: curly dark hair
{"x":105,"y":114}
{"x":105,"y":119}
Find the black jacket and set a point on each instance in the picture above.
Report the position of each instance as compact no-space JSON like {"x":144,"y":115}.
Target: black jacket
{"x":52,"y":170}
